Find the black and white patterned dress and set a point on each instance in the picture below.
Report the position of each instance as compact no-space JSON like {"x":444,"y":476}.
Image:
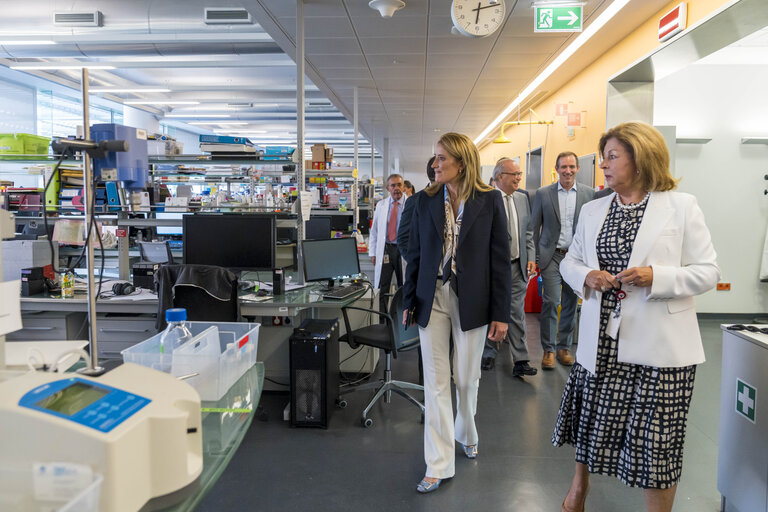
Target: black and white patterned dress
{"x":626,"y":420}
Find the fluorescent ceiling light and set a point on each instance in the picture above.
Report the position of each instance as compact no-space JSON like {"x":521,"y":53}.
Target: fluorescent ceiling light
{"x":196,"y":115}
{"x":239,"y":131}
{"x":128,"y":89}
{"x":591,"y":30}
{"x":229,"y":123}
{"x":29,"y":42}
{"x":25,"y":67}
{"x":160,"y":102}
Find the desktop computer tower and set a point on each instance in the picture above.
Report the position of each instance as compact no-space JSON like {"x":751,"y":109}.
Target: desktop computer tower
{"x":314,"y":362}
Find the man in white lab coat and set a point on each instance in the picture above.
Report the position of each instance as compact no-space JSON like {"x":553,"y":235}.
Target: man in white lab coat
{"x":382,"y":243}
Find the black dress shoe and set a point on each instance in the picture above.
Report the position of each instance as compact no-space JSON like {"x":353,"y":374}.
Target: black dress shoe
{"x":487,"y":363}
{"x":523,"y":368}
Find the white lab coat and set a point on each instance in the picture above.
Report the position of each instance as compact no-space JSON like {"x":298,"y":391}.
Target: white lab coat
{"x":658,"y":325}
{"x":378,"y":236}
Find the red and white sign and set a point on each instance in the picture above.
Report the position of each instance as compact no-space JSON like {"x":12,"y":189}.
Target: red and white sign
{"x":121,"y":233}
{"x":574,"y":119}
{"x":561,"y":109}
{"x":673,"y":22}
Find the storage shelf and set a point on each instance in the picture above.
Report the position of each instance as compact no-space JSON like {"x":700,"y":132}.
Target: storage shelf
{"x":208,"y":160}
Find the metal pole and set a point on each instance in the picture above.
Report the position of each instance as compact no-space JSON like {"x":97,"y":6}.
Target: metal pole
{"x":93,"y":368}
{"x":300,"y":180}
{"x":356,"y":210}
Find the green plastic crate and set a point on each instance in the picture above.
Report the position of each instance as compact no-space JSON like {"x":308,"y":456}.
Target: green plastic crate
{"x":23,"y":144}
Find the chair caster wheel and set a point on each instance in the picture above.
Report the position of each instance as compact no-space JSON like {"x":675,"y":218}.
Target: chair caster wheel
{"x":367,"y":422}
{"x":341,"y":404}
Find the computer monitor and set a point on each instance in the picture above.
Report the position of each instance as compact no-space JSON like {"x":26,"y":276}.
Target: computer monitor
{"x":318,"y":228}
{"x":156,"y":252}
{"x":234,"y":241}
{"x":327,"y":260}
{"x":169,"y":230}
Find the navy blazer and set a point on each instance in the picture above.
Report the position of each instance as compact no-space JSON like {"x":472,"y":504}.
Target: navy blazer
{"x":483,"y":268}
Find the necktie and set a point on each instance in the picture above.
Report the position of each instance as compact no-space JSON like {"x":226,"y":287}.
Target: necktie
{"x":392,"y":224}
{"x":513,"y":243}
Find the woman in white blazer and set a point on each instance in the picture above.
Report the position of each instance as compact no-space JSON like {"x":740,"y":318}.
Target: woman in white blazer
{"x":638,"y":258}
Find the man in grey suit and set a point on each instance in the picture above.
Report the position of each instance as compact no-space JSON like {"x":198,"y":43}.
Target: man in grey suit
{"x":555,"y":214}
{"x":506,"y":177}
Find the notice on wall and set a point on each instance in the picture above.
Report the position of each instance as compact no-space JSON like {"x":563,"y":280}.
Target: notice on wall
{"x":10,"y":310}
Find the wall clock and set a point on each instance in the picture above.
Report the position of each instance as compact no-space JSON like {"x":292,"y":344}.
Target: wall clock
{"x":477,"y":18}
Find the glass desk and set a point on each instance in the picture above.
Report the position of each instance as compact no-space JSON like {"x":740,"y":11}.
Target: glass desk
{"x":225,"y":423}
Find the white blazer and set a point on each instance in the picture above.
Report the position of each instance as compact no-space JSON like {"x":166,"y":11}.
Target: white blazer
{"x":378,"y":236}
{"x":658,"y":324}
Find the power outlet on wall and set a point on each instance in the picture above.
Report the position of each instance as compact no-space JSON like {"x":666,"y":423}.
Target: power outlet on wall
{"x":279,"y":321}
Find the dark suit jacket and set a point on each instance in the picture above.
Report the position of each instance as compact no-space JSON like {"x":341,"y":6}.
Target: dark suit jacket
{"x":405,"y":222}
{"x":484,"y":272}
{"x":545,"y":218}
{"x":602,"y":193}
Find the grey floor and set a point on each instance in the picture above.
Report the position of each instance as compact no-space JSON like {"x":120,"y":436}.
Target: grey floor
{"x":350,"y":468}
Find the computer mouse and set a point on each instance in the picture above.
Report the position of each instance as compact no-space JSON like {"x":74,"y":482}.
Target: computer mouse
{"x":262,"y":293}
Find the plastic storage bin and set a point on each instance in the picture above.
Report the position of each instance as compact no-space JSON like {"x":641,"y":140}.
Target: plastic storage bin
{"x":17,"y":493}
{"x":23,"y":144}
{"x":219,"y":353}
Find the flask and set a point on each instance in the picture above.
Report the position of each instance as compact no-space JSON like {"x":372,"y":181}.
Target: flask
{"x":177,"y":333}
{"x":67,"y":285}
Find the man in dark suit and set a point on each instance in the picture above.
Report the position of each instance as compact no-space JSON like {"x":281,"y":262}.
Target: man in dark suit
{"x":405,"y":220}
{"x":555,"y":214}
{"x":507,"y":176}
{"x":604,"y":192}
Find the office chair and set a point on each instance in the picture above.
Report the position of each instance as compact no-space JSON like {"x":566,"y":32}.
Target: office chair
{"x":207,"y":292}
{"x":392,"y":338}
{"x":156,"y":252}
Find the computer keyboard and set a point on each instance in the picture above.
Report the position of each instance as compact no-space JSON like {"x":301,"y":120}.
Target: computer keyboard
{"x":342,"y":292}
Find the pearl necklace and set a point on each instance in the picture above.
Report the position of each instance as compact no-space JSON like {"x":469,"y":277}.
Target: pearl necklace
{"x":630,"y":207}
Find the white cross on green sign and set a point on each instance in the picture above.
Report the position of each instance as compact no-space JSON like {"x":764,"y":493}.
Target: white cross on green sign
{"x":566,"y":18}
{"x":746,"y":400}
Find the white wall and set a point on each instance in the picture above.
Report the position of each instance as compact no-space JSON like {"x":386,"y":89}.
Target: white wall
{"x":724,"y":103}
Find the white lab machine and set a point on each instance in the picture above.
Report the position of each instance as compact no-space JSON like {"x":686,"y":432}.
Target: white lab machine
{"x":138,"y":427}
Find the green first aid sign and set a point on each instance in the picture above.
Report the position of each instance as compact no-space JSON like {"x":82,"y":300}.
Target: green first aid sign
{"x":746,"y":399}
{"x":558,"y":19}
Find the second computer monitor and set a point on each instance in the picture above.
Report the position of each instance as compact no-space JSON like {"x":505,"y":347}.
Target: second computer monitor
{"x":318,"y":228}
{"x":235,"y":241}
{"x":328,"y":260}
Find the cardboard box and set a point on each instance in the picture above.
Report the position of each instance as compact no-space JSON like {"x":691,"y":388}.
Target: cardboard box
{"x":318,"y":152}
{"x":19,"y":254}
{"x":328,"y":154}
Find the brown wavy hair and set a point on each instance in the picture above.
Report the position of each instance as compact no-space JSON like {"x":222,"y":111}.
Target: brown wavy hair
{"x":648,"y":151}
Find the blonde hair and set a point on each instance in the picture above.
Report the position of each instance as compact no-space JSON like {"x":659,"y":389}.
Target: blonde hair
{"x":648,"y":151}
{"x":465,"y":152}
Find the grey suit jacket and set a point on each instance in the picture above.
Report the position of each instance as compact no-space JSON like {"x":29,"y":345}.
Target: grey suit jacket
{"x":545,"y":218}
{"x":525,"y":234}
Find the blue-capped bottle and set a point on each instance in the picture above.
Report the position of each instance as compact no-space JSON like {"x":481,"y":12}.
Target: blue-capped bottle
{"x":177,"y":333}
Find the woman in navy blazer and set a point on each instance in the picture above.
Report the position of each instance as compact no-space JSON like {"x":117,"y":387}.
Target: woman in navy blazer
{"x":457,"y":284}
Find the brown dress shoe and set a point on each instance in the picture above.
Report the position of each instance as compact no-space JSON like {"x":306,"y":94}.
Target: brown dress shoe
{"x":548,"y":361}
{"x":565,"y":357}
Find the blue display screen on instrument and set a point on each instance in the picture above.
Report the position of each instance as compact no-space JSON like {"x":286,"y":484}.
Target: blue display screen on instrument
{"x":84,"y":402}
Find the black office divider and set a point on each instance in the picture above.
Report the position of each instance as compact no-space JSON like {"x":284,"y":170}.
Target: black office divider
{"x":314,"y":359}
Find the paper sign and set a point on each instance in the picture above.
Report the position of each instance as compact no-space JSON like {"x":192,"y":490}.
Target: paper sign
{"x":561,"y":109}
{"x":10,"y":310}
{"x":306,"y":204}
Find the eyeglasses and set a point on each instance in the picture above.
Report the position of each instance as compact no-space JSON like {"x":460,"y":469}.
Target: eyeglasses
{"x":511,"y":173}
{"x":750,"y":328}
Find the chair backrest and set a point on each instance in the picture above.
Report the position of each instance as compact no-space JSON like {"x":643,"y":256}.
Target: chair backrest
{"x":207,"y":292}
{"x":156,"y":252}
{"x":406,"y":338}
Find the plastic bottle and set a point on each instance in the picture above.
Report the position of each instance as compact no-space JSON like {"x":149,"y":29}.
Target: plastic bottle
{"x":177,"y":333}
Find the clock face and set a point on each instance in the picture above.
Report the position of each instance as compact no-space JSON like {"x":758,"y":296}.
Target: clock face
{"x":477,"y":18}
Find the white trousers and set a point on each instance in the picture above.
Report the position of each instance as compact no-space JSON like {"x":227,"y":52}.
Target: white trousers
{"x":439,"y":428}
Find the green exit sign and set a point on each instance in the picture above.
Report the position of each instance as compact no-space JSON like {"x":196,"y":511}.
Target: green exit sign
{"x":562,"y":18}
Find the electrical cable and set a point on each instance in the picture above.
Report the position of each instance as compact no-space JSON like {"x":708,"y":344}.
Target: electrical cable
{"x":78,"y":351}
